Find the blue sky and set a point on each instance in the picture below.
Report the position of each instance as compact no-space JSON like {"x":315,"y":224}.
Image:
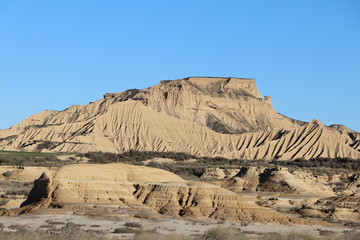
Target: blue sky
{"x":305,"y":54}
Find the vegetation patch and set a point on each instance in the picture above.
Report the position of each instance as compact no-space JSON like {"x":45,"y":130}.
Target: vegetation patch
{"x":32,"y":159}
{"x":196,"y":168}
{"x":126,"y":230}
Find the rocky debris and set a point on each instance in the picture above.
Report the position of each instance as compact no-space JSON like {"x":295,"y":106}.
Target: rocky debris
{"x":345,"y":208}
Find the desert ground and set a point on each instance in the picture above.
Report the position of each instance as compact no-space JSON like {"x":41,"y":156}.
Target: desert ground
{"x":290,"y":191}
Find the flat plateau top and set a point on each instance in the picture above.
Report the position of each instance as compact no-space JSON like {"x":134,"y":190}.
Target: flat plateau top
{"x":217,"y":78}
{"x":210,"y":79}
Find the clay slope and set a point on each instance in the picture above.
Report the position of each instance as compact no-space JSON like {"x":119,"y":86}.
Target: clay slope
{"x":350,"y":137}
{"x":81,"y":187}
{"x":227,"y":105}
{"x":313,"y":140}
{"x":192,"y":115}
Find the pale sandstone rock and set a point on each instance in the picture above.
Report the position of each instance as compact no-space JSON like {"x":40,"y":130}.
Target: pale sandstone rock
{"x":213,"y":173}
{"x":279,"y":180}
{"x":202,"y":116}
{"x":142,"y":188}
{"x":337,"y":208}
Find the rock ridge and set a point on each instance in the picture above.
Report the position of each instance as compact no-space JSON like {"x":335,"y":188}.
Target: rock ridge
{"x":203,"y":116}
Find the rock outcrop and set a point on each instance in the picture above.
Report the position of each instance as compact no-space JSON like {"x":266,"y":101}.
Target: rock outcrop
{"x":279,"y":180}
{"x":120,"y":186}
{"x":346,"y":208}
{"x":202,"y":116}
{"x":324,"y":195}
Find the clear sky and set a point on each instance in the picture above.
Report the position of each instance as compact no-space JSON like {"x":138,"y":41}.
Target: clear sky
{"x":303,"y":53}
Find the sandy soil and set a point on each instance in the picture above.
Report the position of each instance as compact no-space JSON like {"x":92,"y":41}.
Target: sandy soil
{"x":162,"y":225}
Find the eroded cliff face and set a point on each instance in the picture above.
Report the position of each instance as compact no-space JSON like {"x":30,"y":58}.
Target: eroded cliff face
{"x":203,"y":116}
{"x":223,"y":194}
{"x":350,"y":137}
{"x":323,"y":195}
{"x":120,"y":186}
{"x":282,"y":181}
{"x":225,"y":105}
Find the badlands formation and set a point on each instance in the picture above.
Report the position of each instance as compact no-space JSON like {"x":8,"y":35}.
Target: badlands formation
{"x":203,"y":116}
{"x":298,"y":191}
{"x":114,"y":187}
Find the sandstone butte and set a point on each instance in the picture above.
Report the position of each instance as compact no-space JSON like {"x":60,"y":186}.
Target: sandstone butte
{"x":120,"y":186}
{"x":203,"y":116}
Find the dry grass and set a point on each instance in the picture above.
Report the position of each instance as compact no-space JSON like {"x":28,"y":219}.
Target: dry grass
{"x":233,"y":234}
{"x":288,"y":236}
{"x":133,"y":224}
{"x":220,"y":233}
{"x":69,"y":232}
{"x":73,"y":231}
{"x":158,"y":236}
{"x":15,"y":187}
{"x":126,"y":230}
{"x":13,"y":190}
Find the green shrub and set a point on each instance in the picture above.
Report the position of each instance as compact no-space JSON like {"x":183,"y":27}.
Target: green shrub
{"x":31,"y":160}
{"x":3,"y":202}
{"x":7,"y":174}
{"x":195,"y":169}
{"x":133,"y":224}
{"x":126,"y":230}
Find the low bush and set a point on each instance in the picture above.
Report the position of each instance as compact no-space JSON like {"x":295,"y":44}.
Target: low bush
{"x":4,"y":202}
{"x":32,"y":160}
{"x":193,"y":170}
{"x":126,"y":230}
{"x":134,"y":156}
{"x":7,"y":174}
{"x":17,"y":192}
{"x":133,"y":224}
{"x":15,"y":188}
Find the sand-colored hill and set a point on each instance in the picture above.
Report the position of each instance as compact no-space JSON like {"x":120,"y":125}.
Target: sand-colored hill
{"x":202,"y":116}
{"x":121,"y":186}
